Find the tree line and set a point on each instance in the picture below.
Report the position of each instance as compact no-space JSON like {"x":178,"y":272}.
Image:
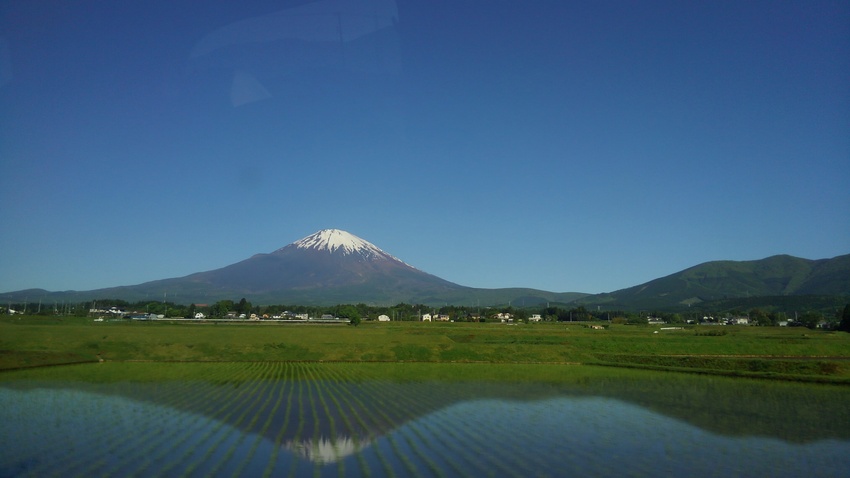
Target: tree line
{"x":840,"y":320}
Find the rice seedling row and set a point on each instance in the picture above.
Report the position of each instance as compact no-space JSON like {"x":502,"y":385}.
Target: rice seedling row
{"x":124,"y":445}
{"x":259,"y":411}
{"x":341,"y":397}
{"x":299,"y":429}
{"x":531,"y":461}
{"x":447,"y":430}
{"x":316,"y":386}
{"x":422,"y":437}
{"x":378,"y":417}
{"x":418,"y":451}
{"x":278,"y":442}
{"x":217,"y":430}
{"x":149,"y":444}
{"x":254,"y":407}
{"x":420,"y":448}
{"x":209,"y":396}
{"x":410,"y":468}
{"x":355,"y":412}
{"x":320,"y":383}
{"x":268,"y":378}
{"x":458,"y":461}
{"x":404,"y":401}
{"x":75,"y":417}
{"x":430,"y":438}
{"x":347,"y":374}
{"x":280,"y":384}
{"x":508,"y":461}
{"x":460,"y":430}
{"x":337,"y":391}
{"x":120,"y":442}
{"x":468,"y":446}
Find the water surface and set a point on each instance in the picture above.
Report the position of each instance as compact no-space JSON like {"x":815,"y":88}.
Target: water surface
{"x":348,"y":420}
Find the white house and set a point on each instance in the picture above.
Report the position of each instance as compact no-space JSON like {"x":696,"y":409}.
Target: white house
{"x":535,"y":318}
{"x":383,"y":318}
{"x":505,"y":317}
{"x":426,"y":317}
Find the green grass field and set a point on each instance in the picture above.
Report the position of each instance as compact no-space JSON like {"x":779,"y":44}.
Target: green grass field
{"x":773,"y":352}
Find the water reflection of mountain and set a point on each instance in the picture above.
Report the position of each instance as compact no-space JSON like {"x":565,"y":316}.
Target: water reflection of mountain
{"x":325,"y":417}
{"x":791,"y":412}
{"x":325,"y":450}
{"x":73,"y":432}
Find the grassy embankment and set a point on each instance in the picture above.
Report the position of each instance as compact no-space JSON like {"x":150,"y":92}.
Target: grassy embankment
{"x":789,"y":353}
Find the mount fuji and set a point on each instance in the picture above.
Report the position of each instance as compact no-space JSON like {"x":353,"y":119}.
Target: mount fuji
{"x":333,"y":267}
{"x":328,"y":267}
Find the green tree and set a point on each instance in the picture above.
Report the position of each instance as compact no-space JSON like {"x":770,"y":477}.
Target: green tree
{"x":759,"y":317}
{"x":580,"y":313}
{"x":221,"y":308}
{"x":349,"y":312}
{"x":243,"y":307}
{"x":521,"y":316}
{"x":844,"y":324}
{"x":810,"y":320}
{"x":774,"y":318}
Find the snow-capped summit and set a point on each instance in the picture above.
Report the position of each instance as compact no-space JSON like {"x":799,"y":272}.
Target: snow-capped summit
{"x":333,"y":240}
{"x":328,"y":267}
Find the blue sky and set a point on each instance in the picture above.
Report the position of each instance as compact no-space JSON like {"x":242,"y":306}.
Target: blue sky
{"x":565,"y":146}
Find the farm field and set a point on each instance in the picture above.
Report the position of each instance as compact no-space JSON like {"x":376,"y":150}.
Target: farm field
{"x":411,"y":419}
{"x":412,"y":399}
{"x":768,"y":352}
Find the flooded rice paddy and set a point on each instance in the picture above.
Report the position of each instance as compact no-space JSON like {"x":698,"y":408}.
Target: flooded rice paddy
{"x":290,"y":419}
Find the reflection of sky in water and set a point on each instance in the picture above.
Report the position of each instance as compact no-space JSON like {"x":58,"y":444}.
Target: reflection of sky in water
{"x":72,"y":432}
{"x":607,"y":437}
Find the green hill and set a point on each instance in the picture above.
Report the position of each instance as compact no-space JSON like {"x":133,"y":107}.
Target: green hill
{"x":781,"y":275}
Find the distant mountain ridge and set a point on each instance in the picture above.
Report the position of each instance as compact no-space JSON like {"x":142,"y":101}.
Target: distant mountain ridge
{"x":780,"y":275}
{"x":328,"y":267}
{"x":333,"y":266}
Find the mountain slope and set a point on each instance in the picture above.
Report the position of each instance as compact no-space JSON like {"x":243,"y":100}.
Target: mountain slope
{"x":330,"y":266}
{"x":326,"y":268}
{"x":335,"y":267}
{"x":780,"y":275}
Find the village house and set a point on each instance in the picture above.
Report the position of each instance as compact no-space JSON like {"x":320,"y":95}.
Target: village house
{"x":505,"y":317}
{"x":383,"y":318}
